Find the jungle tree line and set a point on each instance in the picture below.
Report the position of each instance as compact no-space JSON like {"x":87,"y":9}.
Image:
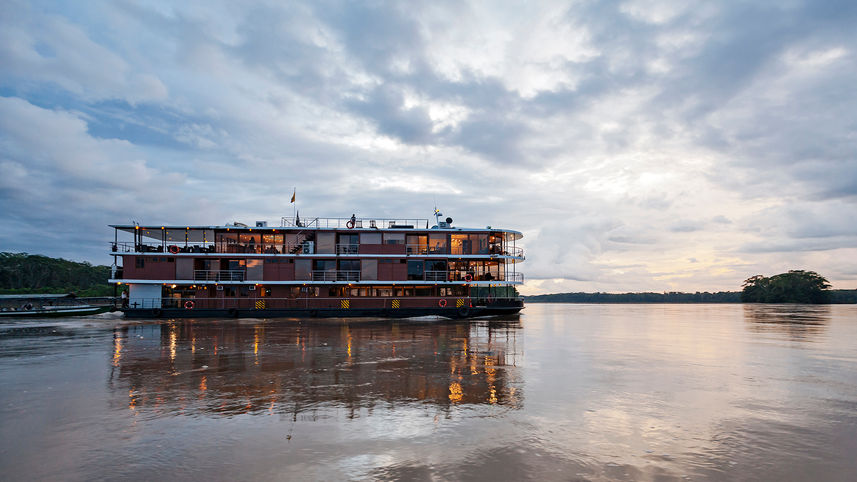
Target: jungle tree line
{"x":30,"y":273}
{"x":796,"y":286}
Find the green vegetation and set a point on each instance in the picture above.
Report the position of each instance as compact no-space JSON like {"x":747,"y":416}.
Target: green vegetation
{"x":22,"y":273}
{"x":835,"y":297}
{"x":672,"y":297}
{"x":796,"y":286}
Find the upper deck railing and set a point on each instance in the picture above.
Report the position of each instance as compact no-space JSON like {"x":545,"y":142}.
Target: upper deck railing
{"x":354,"y":223}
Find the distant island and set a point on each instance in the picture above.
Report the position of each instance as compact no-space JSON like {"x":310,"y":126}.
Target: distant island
{"x":836,"y":297}
{"x":796,"y":286}
{"x":22,"y":273}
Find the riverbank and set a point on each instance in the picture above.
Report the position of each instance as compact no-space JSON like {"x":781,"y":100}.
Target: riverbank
{"x":836,"y":297}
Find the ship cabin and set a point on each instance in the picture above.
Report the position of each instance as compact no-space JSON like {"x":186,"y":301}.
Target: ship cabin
{"x":331,"y":266}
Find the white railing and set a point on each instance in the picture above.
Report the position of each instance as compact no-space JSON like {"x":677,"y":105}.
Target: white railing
{"x":340,"y":275}
{"x":347,"y":248}
{"x":354,"y":223}
{"x":219,"y":275}
{"x":435,"y":275}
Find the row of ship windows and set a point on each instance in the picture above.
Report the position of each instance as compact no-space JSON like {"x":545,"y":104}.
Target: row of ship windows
{"x":334,"y":291}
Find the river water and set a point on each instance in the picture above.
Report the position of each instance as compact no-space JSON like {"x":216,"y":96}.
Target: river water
{"x":564,"y":392}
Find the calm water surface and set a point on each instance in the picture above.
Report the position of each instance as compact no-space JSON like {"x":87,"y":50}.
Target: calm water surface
{"x":565,"y":392}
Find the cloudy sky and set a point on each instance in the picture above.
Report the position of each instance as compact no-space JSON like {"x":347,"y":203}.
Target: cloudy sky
{"x":638,"y":145}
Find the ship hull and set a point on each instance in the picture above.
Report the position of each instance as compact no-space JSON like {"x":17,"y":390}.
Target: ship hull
{"x":453,"y":313}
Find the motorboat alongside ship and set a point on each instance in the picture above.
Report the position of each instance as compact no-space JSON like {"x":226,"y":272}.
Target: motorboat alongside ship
{"x":46,"y":306}
{"x":318,"y":267}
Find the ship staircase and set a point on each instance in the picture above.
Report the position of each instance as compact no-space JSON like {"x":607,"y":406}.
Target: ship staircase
{"x":305,"y":235}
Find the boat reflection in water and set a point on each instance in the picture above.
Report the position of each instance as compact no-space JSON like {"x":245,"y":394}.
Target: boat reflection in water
{"x":235,"y":367}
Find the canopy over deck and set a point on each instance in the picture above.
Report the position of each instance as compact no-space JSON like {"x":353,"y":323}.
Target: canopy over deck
{"x":205,"y":234}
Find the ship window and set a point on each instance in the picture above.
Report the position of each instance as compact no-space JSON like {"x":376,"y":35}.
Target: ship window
{"x":394,"y":238}
{"x":480,"y":243}
{"x":369,"y":269}
{"x":383,"y":291}
{"x":140,"y":262}
{"x":460,"y":244}
{"x":303,"y":269}
{"x":437,"y":243}
{"x":415,"y":270}
{"x":227,"y":243}
{"x":349,"y":265}
{"x":370,"y":238}
{"x":436,"y":265}
{"x":417,"y":244}
{"x":325,"y":243}
{"x":423,"y":290}
{"x":324,"y":265}
{"x":347,"y":239}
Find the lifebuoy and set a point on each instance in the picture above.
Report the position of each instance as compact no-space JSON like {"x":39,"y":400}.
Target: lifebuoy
{"x":350,"y":224}
{"x":468,"y":277}
{"x":441,"y":303}
{"x":174,"y":249}
{"x":188,"y":305}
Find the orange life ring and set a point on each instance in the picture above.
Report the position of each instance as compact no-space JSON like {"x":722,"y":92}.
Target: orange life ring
{"x":442,"y":303}
{"x":188,"y":305}
{"x":174,"y":249}
{"x":468,"y":277}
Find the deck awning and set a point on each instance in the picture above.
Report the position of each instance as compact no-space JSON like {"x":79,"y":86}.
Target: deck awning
{"x":173,"y":235}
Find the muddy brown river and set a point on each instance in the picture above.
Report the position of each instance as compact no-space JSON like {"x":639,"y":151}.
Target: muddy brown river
{"x":563,"y":392}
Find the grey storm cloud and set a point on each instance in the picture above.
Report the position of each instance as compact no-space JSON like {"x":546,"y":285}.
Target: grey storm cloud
{"x":639,"y":145}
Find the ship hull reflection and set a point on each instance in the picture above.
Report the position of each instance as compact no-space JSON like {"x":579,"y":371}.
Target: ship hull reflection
{"x":234,"y":367}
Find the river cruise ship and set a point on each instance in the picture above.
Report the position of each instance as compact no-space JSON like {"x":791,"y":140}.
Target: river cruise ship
{"x":317,"y":267}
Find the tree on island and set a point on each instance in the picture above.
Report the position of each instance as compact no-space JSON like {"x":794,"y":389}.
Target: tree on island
{"x":796,"y":286}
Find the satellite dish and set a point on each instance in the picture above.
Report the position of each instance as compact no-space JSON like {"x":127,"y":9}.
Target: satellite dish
{"x":448,"y":220}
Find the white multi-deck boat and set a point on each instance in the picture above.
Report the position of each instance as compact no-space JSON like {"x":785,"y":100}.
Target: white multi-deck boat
{"x":318,"y":267}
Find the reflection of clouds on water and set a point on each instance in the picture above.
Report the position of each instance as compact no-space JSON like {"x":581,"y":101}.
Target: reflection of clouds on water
{"x":798,"y":322}
{"x":230,"y":368}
